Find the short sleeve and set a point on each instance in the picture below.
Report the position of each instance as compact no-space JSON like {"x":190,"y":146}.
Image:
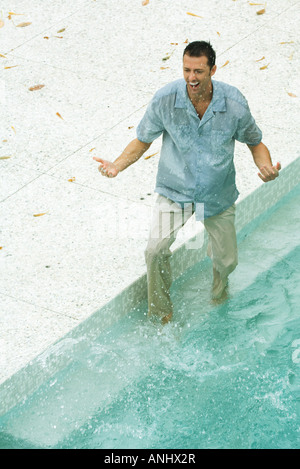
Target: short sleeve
{"x":151,"y":125}
{"x":247,"y":131}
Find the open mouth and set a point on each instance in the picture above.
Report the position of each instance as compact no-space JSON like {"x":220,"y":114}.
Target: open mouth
{"x":194,"y":86}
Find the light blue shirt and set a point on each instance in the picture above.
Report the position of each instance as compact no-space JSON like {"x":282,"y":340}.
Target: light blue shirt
{"x":196,"y":161}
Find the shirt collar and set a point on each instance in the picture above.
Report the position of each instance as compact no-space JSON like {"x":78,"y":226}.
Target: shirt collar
{"x":218,"y":102}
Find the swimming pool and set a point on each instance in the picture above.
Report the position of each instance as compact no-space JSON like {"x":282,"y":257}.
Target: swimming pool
{"x":222,"y":376}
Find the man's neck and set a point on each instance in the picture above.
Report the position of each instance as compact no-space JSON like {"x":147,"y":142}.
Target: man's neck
{"x":203,"y":97}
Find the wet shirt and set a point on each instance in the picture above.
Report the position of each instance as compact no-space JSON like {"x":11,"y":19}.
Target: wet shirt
{"x":196,"y":161}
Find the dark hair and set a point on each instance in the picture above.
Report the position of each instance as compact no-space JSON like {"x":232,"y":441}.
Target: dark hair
{"x":200,"y":48}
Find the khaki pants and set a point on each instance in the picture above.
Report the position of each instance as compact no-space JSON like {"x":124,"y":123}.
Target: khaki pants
{"x":168,"y":218}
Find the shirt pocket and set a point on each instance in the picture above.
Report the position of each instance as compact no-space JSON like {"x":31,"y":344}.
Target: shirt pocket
{"x":221,"y":122}
{"x":183,"y":137}
{"x":220,"y":138}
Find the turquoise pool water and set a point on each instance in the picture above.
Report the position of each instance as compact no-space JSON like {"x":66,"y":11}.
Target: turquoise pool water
{"x":222,"y":376}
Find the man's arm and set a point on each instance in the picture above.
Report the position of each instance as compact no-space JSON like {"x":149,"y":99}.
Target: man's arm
{"x":262,"y":159}
{"x":134,"y":150}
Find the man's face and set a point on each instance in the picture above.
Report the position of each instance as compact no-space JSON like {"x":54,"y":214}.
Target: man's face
{"x":197,"y":74}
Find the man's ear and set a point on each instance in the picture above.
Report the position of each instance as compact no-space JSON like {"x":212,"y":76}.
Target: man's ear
{"x":213,"y":70}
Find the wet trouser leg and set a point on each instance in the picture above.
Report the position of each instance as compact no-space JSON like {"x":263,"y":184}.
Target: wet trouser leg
{"x":222,"y":247}
{"x":167,"y":220}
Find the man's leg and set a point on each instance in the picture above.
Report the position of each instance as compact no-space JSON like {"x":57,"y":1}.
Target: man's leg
{"x":168,"y":218}
{"x":222,"y":249}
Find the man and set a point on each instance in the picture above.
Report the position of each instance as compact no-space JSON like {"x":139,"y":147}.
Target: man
{"x":200,"y":119}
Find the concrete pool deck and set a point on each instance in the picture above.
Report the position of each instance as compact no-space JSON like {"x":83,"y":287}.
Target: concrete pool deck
{"x":100,"y":63}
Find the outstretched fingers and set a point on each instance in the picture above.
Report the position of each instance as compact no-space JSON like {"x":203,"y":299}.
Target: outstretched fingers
{"x":106,"y":168}
{"x":102,"y":167}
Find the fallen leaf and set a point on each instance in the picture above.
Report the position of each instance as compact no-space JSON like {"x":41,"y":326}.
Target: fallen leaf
{"x":149,"y":156}
{"x":92,"y":149}
{"x":218,"y":33}
{"x":264,"y":67}
{"x":1,"y":23}
{"x":168,"y":55}
{"x":130,"y":127}
{"x":11,"y":13}
{"x":292,"y":95}
{"x":23,"y":25}
{"x":260,"y":59}
{"x":261,"y":12}
{"x":12,"y":66}
{"x":59,"y":37}
{"x":164,"y":68}
{"x":5,"y":157}
{"x":186,"y":41}
{"x":226,"y":63}
{"x":290,"y":42}
{"x":39,"y":214}
{"x":256,"y":4}
{"x":58,"y":114}
{"x":71,"y":179}
{"x":291,"y":56}
{"x":2,"y":56}
{"x":145,"y":2}
{"x":36,"y":87}
{"x":1,"y":247}
{"x":193,"y":14}
{"x":61,"y":30}
{"x":13,"y":129}
{"x":46,"y":37}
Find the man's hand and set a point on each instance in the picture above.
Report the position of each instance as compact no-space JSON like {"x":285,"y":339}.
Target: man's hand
{"x":262,"y":159}
{"x":268,"y":173}
{"x":134,"y":150}
{"x":107,"y":168}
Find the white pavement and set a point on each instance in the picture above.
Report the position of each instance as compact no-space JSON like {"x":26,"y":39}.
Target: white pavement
{"x":100,"y":62}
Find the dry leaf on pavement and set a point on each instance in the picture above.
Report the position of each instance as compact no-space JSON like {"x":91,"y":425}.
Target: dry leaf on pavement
{"x":193,"y":14}
{"x":149,"y":156}
{"x":226,"y":63}
{"x":36,"y":87}
{"x":39,"y":214}
{"x":23,"y":25}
